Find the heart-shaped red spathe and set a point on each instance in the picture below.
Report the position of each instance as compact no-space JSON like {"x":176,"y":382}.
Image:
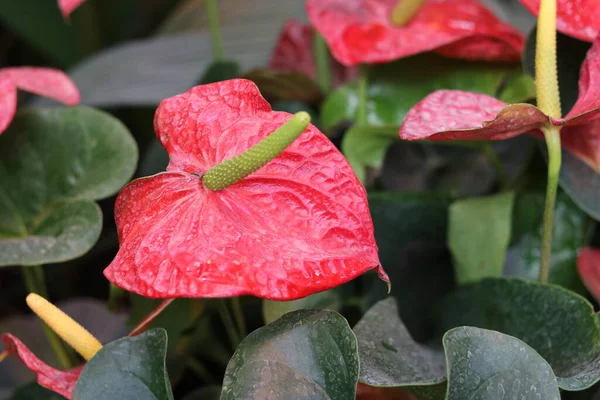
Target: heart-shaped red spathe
{"x":297,"y":226}
{"x":577,"y":18}
{"x":61,"y":382}
{"x":294,"y":52}
{"x":588,"y":264}
{"x":457,"y":115}
{"x":361,"y":31}
{"x":46,"y":82}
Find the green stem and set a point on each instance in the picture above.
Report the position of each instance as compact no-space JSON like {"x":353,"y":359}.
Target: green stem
{"x":552,"y":134}
{"x":363,"y":87}
{"x":35,"y":282}
{"x":229,"y":324}
{"x":239,"y":316}
{"x":496,"y":163}
{"x":322,"y":61}
{"x":212,"y":10}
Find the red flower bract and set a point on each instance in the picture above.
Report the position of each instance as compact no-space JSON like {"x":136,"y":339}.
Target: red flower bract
{"x":294,"y":52}
{"x":361,"y":31}
{"x":61,"y":382}
{"x":457,"y":115}
{"x":298,"y":225}
{"x":46,"y":82}
{"x":588,"y":264}
{"x":67,"y":6}
{"x":577,"y":18}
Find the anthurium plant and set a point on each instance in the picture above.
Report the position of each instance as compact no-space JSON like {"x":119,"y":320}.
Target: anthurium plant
{"x":399,"y":200}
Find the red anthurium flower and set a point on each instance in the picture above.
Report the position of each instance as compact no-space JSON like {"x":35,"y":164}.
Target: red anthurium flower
{"x":588,"y":264}
{"x":294,"y":52}
{"x":68,"y":6}
{"x":61,"y":382}
{"x":456,"y":115}
{"x":296,"y":226}
{"x":361,"y":31}
{"x":43,"y":81}
{"x":577,"y":18}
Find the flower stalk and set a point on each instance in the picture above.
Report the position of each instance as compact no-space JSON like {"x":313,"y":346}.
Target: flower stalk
{"x":237,"y":168}
{"x":548,"y":100}
{"x":212,"y":11}
{"x":70,"y":331}
{"x":323,"y":63}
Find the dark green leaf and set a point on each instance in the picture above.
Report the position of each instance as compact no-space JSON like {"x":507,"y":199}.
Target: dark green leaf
{"x":220,"y":71}
{"x":54,"y":164}
{"x":33,"y":391}
{"x":389,"y":356}
{"x":581,"y":183}
{"x":519,"y":87}
{"x":285,"y":85}
{"x":488,"y":365}
{"x":44,"y":29}
{"x":273,"y":310}
{"x":572,"y":231}
{"x":559,"y":324}
{"x":478,"y":236}
{"x":365,"y":146}
{"x":306,"y":354}
{"x":128,"y":368}
{"x":410,"y":230}
{"x":206,"y":393}
{"x":571,"y":53}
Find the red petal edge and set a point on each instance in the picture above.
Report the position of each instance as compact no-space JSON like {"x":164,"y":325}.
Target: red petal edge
{"x":458,"y":115}
{"x":61,"y":382}
{"x":68,"y":6}
{"x":46,"y":82}
{"x":577,"y":18}
{"x":588,"y":264}
{"x":297,"y":226}
{"x":361,"y":31}
{"x":8,"y":102}
{"x":294,"y":52}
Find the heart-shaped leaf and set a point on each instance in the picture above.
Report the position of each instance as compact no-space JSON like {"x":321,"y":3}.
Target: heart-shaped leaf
{"x":489,"y":365}
{"x":410,"y":230}
{"x":128,"y":368}
{"x":389,"y":357}
{"x":273,"y":310}
{"x":55,"y":163}
{"x":559,"y":324}
{"x":306,"y":354}
{"x":478,"y":236}
{"x":572,"y":231}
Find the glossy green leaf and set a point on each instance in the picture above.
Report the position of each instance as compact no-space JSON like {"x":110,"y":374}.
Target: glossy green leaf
{"x":410,"y":230}
{"x":33,"y":391}
{"x":395,"y":87}
{"x":365,"y":146}
{"x":389,"y":356}
{"x":54,"y":164}
{"x":478,"y":235}
{"x":128,"y":368}
{"x":306,"y":354}
{"x":572,"y":231}
{"x":273,"y":310}
{"x":559,"y":324}
{"x":519,"y":87}
{"x":489,"y":365}
{"x":581,"y":183}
